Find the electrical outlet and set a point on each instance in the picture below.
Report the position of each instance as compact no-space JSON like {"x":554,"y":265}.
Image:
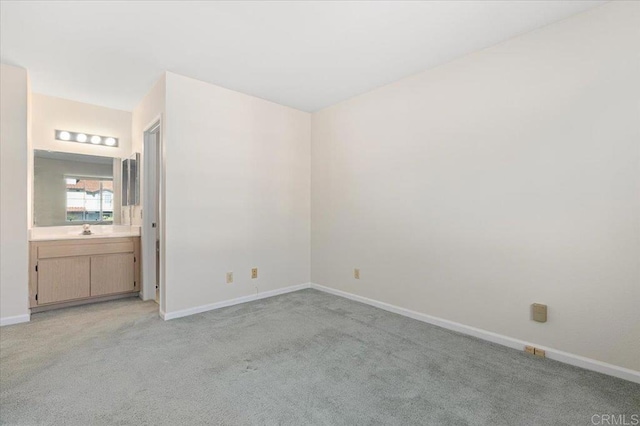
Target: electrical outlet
{"x":229,"y":277}
{"x":539,"y":312}
{"x":254,"y":273}
{"x":356,"y":274}
{"x":535,"y":351}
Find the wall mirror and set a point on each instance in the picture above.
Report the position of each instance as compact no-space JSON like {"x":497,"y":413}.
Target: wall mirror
{"x":131,"y":180}
{"x":73,"y":189}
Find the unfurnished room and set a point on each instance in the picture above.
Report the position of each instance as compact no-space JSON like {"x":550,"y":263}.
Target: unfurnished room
{"x":320,"y":212}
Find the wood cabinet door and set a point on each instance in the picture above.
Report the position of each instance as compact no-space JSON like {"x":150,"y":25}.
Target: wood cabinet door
{"x":64,"y":278}
{"x":112,"y":273}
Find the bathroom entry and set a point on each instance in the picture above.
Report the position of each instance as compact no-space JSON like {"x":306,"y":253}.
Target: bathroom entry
{"x":151,"y":218}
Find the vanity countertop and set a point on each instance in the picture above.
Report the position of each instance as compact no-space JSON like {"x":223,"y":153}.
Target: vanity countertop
{"x":50,"y":233}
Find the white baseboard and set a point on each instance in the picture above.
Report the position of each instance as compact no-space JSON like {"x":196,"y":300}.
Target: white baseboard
{"x":565,"y":357}
{"x":237,"y":301}
{"x":15,"y":320}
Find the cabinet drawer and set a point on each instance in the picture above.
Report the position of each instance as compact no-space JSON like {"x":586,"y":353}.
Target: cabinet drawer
{"x":45,"y":252}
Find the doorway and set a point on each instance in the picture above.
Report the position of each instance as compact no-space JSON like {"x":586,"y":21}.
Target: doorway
{"x":151,"y":217}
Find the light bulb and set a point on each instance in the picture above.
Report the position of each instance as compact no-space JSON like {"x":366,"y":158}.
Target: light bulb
{"x":65,"y":136}
{"x":110,"y":141}
{"x":81,"y":137}
{"x":96,"y":139}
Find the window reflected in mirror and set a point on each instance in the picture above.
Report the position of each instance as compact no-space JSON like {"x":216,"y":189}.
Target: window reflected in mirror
{"x":89,"y":200}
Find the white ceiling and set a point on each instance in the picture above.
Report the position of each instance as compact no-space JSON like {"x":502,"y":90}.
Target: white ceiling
{"x":307,"y":55}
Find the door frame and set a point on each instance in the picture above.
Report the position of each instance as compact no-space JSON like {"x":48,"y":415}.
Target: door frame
{"x":147,"y":238}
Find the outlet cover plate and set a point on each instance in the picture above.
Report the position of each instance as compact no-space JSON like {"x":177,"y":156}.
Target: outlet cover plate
{"x":539,"y":312}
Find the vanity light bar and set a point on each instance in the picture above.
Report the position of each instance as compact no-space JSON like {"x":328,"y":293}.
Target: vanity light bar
{"x":67,"y":136}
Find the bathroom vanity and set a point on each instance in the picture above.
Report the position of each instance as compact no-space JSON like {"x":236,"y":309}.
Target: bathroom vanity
{"x":69,"y":268}
{"x":82,"y":246}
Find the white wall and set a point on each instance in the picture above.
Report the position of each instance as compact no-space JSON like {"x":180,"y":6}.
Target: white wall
{"x":50,"y":113}
{"x":14,"y":193}
{"x":250,"y":160}
{"x":507,"y":177}
{"x":30,"y":159}
{"x":149,"y":110}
